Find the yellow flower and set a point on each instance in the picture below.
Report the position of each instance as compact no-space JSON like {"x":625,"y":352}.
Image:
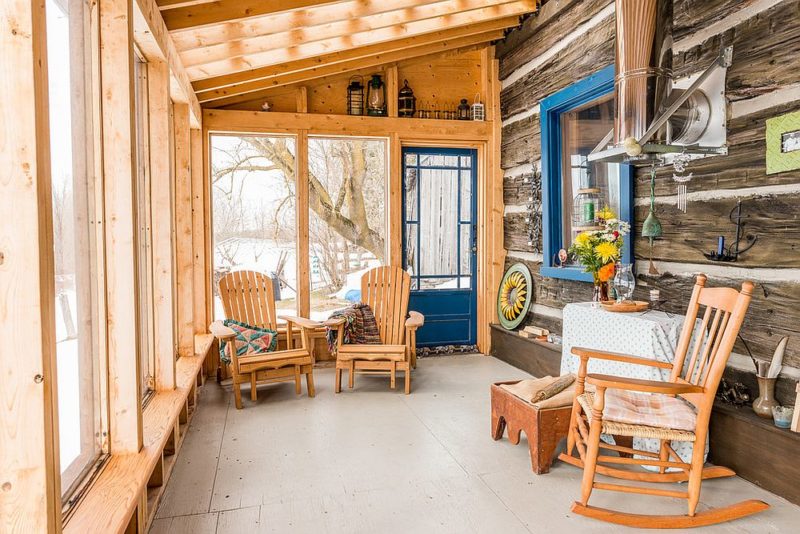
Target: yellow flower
{"x":606,"y":251}
{"x":582,"y":239}
{"x":606,"y":213}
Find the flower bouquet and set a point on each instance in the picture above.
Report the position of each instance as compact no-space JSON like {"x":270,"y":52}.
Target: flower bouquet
{"x":599,"y":250}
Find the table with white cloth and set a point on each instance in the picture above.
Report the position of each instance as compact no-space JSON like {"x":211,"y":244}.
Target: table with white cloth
{"x":650,"y":334}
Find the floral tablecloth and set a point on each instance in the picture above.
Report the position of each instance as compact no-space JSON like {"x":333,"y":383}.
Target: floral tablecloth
{"x":650,"y":334}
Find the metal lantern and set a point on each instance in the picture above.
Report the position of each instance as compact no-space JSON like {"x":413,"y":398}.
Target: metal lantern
{"x":585,"y":206}
{"x":355,"y":96}
{"x":406,"y":101}
{"x":463,"y":110}
{"x":478,"y":109}
{"x":376,"y":97}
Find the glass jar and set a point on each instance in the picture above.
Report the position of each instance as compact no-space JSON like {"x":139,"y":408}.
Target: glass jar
{"x":624,"y":281}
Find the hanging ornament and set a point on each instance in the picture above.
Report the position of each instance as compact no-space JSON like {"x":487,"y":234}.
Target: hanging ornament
{"x":680,"y":163}
{"x":651,"y":228}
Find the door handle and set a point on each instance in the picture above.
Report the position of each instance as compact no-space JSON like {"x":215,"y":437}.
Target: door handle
{"x":474,"y":238}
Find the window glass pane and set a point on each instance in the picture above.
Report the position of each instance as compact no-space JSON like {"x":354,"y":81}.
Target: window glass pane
{"x":411,"y":249}
{"x":466,"y":249}
{"x":591,"y":191}
{"x":254,"y":217}
{"x":411,"y":193}
{"x":466,"y":161}
{"x":438,"y":221}
{"x":70,"y":148}
{"x":466,"y":195}
{"x":411,"y":159}
{"x":347,"y":218}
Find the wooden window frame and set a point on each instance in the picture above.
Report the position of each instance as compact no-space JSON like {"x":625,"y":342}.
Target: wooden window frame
{"x":551,"y":108}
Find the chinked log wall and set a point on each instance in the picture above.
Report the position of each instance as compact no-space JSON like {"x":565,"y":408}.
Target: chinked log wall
{"x":570,"y":40}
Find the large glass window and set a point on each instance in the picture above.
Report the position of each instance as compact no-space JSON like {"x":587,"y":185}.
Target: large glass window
{"x":79,"y":406}
{"x":347,"y":218}
{"x":579,"y":195}
{"x":254,"y":212}
{"x":144,"y":243}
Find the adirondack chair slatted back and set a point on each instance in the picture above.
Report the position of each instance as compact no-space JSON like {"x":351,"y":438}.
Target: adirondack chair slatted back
{"x":722,"y":318}
{"x":247,"y":297}
{"x":386,"y":290}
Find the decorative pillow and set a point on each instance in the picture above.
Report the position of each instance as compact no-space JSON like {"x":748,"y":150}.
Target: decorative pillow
{"x":249,"y":340}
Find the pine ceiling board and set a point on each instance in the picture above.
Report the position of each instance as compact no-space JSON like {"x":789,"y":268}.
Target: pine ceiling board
{"x":507,"y":15}
{"x":231,"y":10}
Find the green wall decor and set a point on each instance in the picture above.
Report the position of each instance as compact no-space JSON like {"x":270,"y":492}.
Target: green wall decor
{"x":515,"y":296}
{"x":783,"y":143}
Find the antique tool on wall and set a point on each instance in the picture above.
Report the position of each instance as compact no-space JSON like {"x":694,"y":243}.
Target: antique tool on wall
{"x":651,"y":228}
{"x":514,"y":297}
{"x":731,"y":252}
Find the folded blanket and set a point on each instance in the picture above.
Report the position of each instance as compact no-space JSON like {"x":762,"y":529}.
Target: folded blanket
{"x":360,"y":327}
{"x":557,"y":392}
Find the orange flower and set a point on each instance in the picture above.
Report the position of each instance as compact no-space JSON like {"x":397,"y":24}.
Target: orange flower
{"x":606,"y":272}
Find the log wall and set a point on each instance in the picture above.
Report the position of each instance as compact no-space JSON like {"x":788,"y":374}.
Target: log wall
{"x":569,"y":40}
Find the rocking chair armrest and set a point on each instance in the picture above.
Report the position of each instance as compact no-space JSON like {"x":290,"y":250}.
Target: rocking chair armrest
{"x":221,"y":332}
{"x":415,"y":320}
{"x":301,"y":321}
{"x":333,"y":323}
{"x":618,"y":357}
{"x":646,"y":386}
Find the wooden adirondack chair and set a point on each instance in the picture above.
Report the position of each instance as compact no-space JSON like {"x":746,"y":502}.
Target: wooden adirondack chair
{"x":247,"y":297}
{"x":695,"y":381}
{"x":386,"y":290}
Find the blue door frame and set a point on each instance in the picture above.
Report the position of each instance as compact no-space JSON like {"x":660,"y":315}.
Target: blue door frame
{"x":450,"y":314}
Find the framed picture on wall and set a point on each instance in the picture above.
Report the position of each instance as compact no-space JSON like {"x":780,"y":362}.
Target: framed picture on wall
{"x":783,"y":143}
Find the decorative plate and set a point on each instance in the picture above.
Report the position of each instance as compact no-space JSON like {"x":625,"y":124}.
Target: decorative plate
{"x":514,"y":296}
{"x":626,"y":306}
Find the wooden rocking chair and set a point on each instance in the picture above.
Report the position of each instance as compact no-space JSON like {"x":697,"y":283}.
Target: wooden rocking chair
{"x":247,"y":297}
{"x":695,"y":382}
{"x":386,"y":290}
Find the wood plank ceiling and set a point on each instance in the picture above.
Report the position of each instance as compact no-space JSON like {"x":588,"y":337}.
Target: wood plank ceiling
{"x":232,"y":48}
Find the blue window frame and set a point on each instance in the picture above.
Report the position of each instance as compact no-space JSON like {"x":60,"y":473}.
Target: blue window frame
{"x":576,"y":96}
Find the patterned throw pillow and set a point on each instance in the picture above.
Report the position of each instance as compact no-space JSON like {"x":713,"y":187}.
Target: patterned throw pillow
{"x":249,"y":340}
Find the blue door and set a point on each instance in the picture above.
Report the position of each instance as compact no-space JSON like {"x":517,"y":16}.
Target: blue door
{"x":439,"y":241}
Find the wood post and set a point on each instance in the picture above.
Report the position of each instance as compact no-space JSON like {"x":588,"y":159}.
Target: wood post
{"x":303,"y":261}
{"x":119,"y":171}
{"x":183,"y":230}
{"x":162,"y":195}
{"x":29,"y":466}
{"x":199,"y":295}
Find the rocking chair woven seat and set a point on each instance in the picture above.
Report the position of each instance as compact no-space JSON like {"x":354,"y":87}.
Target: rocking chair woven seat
{"x":619,"y":428}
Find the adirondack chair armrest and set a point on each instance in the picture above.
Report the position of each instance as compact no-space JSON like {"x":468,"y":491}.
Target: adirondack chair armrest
{"x":334,"y":322}
{"x":415,"y":320}
{"x":301,"y":321}
{"x":221,"y":332}
{"x":646,"y":386}
{"x":586,"y":354}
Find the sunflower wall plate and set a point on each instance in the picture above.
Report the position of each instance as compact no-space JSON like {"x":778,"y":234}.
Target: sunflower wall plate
{"x":514,"y":296}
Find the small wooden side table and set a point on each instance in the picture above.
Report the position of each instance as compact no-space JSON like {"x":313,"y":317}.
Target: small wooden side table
{"x":544,"y":428}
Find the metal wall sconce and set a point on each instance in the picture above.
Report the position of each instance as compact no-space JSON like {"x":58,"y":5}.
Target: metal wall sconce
{"x":731,"y":252}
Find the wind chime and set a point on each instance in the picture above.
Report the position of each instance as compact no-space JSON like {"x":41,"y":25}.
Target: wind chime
{"x":680,"y":163}
{"x":651,"y":228}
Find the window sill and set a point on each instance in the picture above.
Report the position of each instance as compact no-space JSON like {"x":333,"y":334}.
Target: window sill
{"x":122,"y":486}
{"x":566,"y":273}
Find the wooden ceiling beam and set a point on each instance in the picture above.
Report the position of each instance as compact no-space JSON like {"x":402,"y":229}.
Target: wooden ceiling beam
{"x":302,"y":19}
{"x":267,"y":40}
{"x":164,"y":5}
{"x":231,"y":10}
{"x":272,"y":71}
{"x":508,"y":13}
{"x":260,"y":88}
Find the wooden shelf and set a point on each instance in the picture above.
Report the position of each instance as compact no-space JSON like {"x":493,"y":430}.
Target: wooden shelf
{"x":119,"y":499}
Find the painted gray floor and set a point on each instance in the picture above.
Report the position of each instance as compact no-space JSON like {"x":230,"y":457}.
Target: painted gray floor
{"x":375,"y":460}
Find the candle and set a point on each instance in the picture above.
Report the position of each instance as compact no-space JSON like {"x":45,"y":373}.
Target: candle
{"x":720,"y":245}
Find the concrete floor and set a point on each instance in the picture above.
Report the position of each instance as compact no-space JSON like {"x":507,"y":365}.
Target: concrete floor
{"x":374,"y":460}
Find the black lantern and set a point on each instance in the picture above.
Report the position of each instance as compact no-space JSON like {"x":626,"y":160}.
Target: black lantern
{"x":463,"y":110}
{"x":376,"y":97}
{"x":355,"y":96}
{"x":406,"y":101}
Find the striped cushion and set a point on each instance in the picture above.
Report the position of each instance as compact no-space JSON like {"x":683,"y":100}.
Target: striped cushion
{"x":656,"y":410}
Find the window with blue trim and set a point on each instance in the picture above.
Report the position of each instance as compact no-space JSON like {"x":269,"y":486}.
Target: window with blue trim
{"x":577,"y":194}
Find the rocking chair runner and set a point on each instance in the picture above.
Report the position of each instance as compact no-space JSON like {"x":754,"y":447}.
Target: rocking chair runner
{"x":386,"y":291}
{"x":695,"y":382}
{"x":247,"y":296}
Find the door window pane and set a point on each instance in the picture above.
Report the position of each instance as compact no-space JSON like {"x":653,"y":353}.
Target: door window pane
{"x":347,"y":218}
{"x":438,"y":221}
{"x":79,"y":430}
{"x":254,"y":213}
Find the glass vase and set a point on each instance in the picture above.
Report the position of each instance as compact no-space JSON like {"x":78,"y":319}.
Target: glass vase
{"x":624,"y":281}
{"x":600,"y":293}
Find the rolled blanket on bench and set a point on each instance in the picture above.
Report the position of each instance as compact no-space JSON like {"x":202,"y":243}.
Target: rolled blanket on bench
{"x":546,"y":392}
{"x":360,"y":327}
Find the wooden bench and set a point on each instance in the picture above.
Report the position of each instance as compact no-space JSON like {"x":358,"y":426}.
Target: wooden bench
{"x":544,"y":428}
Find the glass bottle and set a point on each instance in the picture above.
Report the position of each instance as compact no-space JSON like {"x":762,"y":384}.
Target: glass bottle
{"x":624,"y":281}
